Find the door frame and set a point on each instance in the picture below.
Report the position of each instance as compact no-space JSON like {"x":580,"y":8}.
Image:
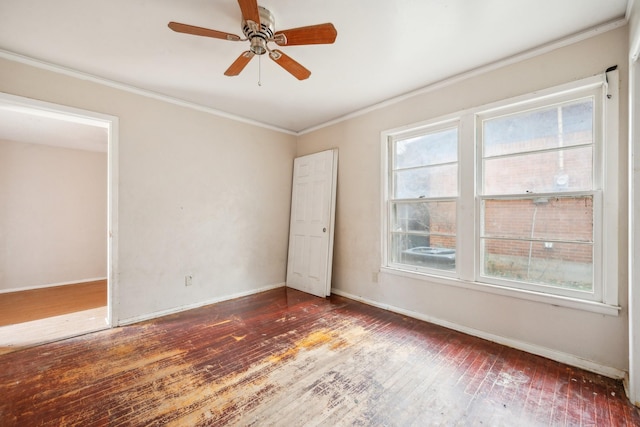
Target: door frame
{"x":110,"y":123}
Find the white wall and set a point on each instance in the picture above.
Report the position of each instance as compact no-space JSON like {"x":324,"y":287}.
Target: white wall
{"x":634,"y":260}
{"x":53,"y":221}
{"x":633,"y":15}
{"x":599,"y":340}
{"x":197,"y":194}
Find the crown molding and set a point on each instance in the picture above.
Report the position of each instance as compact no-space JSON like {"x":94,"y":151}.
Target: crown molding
{"x":37,"y":63}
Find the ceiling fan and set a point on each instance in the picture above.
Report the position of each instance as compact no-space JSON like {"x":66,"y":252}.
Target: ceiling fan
{"x":258,"y":26}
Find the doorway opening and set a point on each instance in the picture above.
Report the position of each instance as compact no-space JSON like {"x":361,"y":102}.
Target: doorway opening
{"x":57,"y":242}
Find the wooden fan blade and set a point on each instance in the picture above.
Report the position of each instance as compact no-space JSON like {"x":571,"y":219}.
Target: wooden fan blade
{"x":250,"y":10}
{"x":297,"y":70}
{"x":199,"y":31}
{"x":239,"y":64}
{"x":313,"y":34}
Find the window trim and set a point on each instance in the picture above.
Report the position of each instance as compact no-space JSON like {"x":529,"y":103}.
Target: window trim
{"x":432,"y":126}
{"x":594,"y":91}
{"x":467,"y":273}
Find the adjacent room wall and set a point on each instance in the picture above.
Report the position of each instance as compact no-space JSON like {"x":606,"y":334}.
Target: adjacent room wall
{"x":570,"y":334}
{"x":53,"y":220}
{"x":198,"y":195}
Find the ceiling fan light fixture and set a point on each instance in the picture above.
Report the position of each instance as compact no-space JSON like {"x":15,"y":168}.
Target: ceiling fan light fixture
{"x":258,"y":45}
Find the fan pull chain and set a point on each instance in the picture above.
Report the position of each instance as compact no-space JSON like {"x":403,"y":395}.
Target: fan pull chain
{"x":260,"y":70}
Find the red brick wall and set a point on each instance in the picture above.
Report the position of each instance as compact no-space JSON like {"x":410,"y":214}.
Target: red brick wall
{"x":548,"y":219}
{"x":557,"y":218}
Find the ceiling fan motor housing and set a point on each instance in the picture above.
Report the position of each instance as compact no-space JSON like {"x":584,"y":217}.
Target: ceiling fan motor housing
{"x":259,"y":35}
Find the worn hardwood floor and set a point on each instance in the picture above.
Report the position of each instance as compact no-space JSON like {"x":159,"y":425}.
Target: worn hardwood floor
{"x":25,"y":306}
{"x":285,"y":358}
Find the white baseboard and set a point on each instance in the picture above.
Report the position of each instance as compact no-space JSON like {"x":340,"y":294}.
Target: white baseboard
{"x":51,"y":285}
{"x":154,"y":315}
{"x":558,"y":356}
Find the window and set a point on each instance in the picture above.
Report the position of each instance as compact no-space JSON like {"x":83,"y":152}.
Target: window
{"x":424,"y":189}
{"x":519,"y":197}
{"x":537,"y":196}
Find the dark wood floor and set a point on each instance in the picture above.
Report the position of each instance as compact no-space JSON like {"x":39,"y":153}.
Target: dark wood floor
{"x":288,"y":359}
{"x":24,"y":306}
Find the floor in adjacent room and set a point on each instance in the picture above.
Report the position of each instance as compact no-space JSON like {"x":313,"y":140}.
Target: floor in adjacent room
{"x":286,"y":358}
{"x":50,"y":329}
{"x":37,"y":316}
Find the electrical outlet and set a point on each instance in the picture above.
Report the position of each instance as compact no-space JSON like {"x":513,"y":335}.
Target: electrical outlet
{"x":188,"y":280}
{"x":374,"y":277}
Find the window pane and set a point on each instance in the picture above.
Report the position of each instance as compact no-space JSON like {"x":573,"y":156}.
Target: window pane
{"x":415,"y":250}
{"x":432,"y":149}
{"x":424,"y":234}
{"x":561,"y":265}
{"x":432,"y":181}
{"x":562,"y":170}
{"x":426,"y":217}
{"x":561,"y":125}
{"x":553,"y":218}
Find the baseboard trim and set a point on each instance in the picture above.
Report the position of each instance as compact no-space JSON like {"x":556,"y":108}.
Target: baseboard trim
{"x":558,"y":356}
{"x":51,"y":285}
{"x":161,"y":313}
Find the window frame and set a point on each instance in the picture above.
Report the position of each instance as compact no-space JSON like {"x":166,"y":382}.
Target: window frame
{"x":597,"y":186}
{"x":468,"y":262}
{"x":413,"y":132}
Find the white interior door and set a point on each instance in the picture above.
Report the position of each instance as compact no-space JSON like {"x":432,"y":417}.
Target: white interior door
{"x":313,"y":202}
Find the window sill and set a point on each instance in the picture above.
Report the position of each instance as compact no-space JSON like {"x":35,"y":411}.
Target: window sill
{"x":555,"y":300}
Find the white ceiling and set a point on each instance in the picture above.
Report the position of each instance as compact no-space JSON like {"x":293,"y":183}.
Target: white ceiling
{"x":384,"y":48}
